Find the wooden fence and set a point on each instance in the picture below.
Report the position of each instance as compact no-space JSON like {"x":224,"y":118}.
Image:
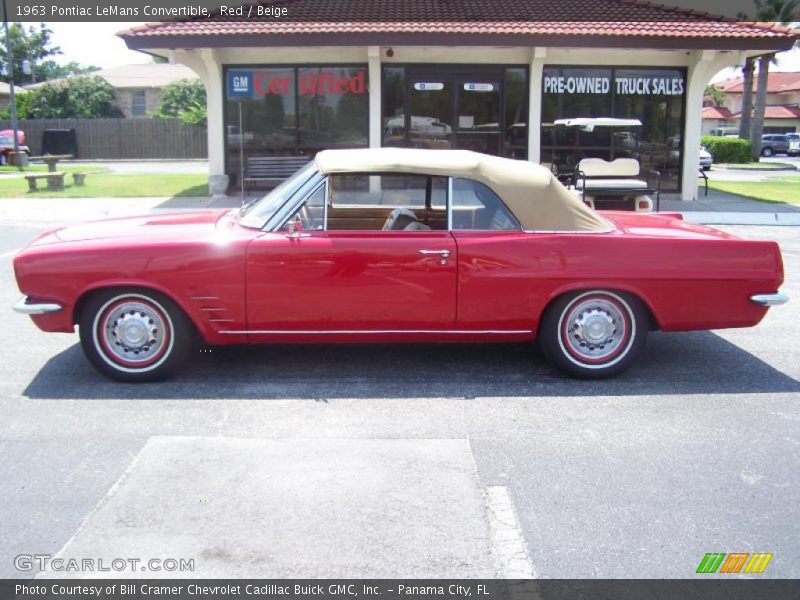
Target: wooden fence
{"x":122,"y":138}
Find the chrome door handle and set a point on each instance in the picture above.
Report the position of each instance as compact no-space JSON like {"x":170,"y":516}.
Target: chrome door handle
{"x":442,"y":253}
{"x":295,"y":236}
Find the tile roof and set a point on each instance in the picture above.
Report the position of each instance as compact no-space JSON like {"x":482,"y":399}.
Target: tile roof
{"x":776,"y":83}
{"x":716,"y":112}
{"x":568,"y":18}
{"x":782,"y":112}
{"x":770,"y":112}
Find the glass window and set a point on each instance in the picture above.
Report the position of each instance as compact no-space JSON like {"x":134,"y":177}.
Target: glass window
{"x":288,"y":111}
{"x":257,"y":212}
{"x":431,"y":105}
{"x":139,"y":103}
{"x":654,"y":96}
{"x":476,"y":206}
{"x":311,"y":214}
{"x":516,"y":114}
{"x":333,"y":108}
{"x":394,"y":119}
{"x":398,"y":202}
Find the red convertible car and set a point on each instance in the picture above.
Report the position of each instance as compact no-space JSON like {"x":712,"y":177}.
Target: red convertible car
{"x":394,"y":245}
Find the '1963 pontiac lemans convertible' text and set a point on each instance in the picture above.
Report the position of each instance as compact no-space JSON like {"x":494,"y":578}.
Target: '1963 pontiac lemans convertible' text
{"x":394,"y":245}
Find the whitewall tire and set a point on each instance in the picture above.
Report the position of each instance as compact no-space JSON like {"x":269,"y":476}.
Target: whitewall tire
{"x":594,"y":334}
{"x":134,"y":335}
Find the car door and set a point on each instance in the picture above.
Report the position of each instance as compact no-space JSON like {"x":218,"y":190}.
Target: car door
{"x":353,"y":279}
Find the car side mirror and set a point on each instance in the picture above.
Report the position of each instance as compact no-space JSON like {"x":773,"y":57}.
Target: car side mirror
{"x":295,"y":227}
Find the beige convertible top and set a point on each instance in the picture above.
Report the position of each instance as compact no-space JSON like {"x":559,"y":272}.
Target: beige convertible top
{"x":538,"y":199}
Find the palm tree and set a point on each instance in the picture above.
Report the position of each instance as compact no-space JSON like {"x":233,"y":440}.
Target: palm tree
{"x":747,"y":99}
{"x":780,"y":12}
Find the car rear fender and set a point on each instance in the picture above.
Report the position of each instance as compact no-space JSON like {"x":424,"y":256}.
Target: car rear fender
{"x":617,"y":287}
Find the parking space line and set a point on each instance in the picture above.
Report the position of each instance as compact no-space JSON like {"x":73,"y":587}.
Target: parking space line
{"x":509,"y":550}
{"x":109,"y":493}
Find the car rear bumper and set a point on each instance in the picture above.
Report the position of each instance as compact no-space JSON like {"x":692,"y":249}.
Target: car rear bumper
{"x":775,"y":299}
{"x":25,"y":307}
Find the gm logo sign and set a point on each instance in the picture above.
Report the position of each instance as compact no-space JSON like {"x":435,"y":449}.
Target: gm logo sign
{"x":735,"y":562}
{"x":240,"y":83}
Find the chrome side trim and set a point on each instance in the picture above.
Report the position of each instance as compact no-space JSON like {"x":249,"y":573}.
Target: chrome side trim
{"x":203,"y":297}
{"x":379,"y":331}
{"x":449,"y":204}
{"x":775,"y":299}
{"x":42,"y":308}
{"x":212,"y":309}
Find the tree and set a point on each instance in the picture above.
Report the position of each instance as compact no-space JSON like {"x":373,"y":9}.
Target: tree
{"x":767,"y":11}
{"x":82,"y":97}
{"x":184,"y":100}
{"x":50,"y":69}
{"x":717,"y":95}
{"x":747,"y":100}
{"x":760,"y":105}
{"x":32,"y":44}
{"x":21,"y":102}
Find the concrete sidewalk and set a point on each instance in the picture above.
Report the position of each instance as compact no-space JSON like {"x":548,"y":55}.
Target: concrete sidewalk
{"x":729,"y":209}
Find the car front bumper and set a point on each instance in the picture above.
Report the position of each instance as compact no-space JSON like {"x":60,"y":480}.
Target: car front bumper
{"x":23,"y":306}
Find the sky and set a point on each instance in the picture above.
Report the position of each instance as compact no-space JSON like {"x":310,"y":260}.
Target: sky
{"x":94,"y":44}
{"x":97,"y":44}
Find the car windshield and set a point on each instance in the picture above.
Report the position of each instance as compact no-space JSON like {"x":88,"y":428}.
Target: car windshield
{"x":257,"y":212}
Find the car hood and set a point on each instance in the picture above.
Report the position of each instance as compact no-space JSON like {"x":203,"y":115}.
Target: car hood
{"x":154,"y":227}
{"x":665,"y":225}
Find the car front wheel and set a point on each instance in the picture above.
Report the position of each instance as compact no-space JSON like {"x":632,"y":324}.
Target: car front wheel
{"x":134,"y":336}
{"x":766,"y":151}
{"x":594,"y":334}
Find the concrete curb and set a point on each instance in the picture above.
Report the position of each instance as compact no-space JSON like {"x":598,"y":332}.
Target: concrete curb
{"x":742,"y":218}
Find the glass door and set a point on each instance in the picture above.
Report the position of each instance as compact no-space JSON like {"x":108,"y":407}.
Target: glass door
{"x":477,"y":115}
{"x":429,"y":123}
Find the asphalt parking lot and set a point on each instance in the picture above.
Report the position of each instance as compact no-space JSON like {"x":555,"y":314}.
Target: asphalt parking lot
{"x":407,"y":461}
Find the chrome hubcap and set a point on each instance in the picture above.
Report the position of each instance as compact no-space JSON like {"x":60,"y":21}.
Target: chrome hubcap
{"x":134,"y":332}
{"x":595,"y":329}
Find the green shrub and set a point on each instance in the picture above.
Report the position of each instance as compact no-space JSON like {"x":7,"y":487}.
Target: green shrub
{"x":728,"y":149}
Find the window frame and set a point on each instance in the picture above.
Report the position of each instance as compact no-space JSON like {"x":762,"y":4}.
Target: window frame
{"x":281,"y":218}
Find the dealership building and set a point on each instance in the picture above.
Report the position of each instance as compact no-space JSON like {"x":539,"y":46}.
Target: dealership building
{"x":492,"y":77}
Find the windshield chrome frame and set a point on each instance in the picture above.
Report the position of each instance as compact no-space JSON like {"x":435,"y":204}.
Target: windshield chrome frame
{"x":278,"y":217}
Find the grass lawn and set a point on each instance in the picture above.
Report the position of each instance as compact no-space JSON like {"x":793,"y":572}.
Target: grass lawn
{"x":110,"y":185}
{"x":758,"y":166}
{"x":778,"y":189}
{"x":62,"y":167}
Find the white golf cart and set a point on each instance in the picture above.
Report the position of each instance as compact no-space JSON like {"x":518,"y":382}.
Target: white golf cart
{"x":619,"y":183}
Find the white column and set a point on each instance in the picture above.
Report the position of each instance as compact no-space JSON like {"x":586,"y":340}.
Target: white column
{"x":538,"y":56}
{"x":217,"y":179}
{"x":703,"y":66}
{"x":375,"y":104}
{"x":208,"y":68}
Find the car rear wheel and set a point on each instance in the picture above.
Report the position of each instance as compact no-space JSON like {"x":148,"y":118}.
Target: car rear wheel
{"x":766,"y":151}
{"x":134,"y":336}
{"x":594,"y":334}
